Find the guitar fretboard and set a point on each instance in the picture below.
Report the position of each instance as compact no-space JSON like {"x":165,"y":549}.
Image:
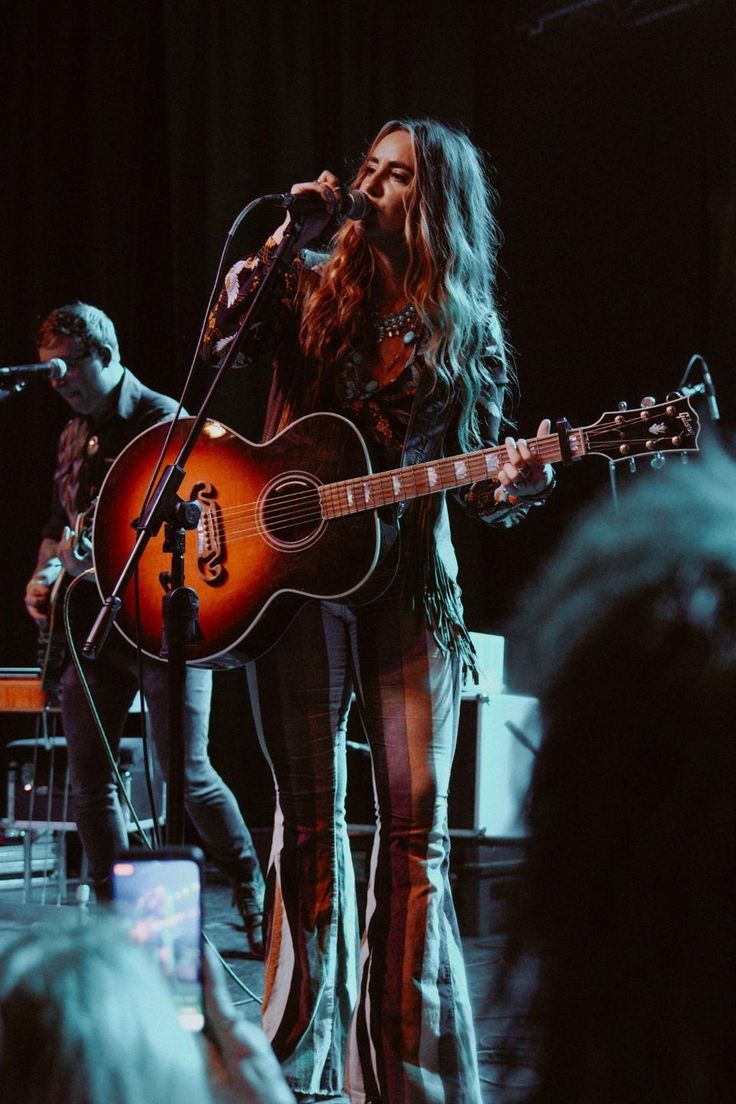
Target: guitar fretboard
{"x":351,"y":496}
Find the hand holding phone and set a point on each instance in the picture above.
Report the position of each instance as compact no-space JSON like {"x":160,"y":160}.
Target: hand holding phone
{"x":159,"y":894}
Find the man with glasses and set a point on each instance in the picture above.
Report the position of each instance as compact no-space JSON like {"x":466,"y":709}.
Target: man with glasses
{"x":111,"y":407}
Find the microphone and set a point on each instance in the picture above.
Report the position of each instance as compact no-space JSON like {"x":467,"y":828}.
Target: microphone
{"x":352,"y":205}
{"x":710,"y":393}
{"x":54,"y":369}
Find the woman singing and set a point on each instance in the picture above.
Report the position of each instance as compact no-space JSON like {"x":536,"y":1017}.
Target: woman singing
{"x":396,"y":329}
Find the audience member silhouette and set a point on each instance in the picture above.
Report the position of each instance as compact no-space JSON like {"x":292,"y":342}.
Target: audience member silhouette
{"x":86,"y":1017}
{"x":627,"y":894}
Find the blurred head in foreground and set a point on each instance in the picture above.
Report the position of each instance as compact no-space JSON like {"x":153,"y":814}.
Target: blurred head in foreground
{"x":627,"y":895}
{"x":86,"y":1018}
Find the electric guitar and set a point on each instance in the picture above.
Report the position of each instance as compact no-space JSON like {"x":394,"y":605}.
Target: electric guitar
{"x":278,"y":528}
{"x":52,"y":646}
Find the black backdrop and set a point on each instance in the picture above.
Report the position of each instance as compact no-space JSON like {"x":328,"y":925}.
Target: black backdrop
{"x":133,"y":133}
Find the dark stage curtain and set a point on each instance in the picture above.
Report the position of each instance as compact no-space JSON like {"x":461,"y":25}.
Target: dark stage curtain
{"x":134,"y":132}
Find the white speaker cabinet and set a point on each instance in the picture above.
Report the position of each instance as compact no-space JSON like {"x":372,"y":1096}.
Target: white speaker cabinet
{"x":497,"y":739}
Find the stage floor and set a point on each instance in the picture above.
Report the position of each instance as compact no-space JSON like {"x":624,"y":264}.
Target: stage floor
{"x":503,"y":1035}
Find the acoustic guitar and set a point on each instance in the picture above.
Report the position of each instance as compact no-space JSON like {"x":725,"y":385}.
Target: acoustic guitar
{"x":298,"y":517}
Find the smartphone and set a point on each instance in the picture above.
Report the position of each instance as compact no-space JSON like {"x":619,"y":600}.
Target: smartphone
{"x":159,"y":895}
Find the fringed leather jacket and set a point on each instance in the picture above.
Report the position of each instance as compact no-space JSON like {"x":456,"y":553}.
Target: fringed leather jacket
{"x":404,"y":423}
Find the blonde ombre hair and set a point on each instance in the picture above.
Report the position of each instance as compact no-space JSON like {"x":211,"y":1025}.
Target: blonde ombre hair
{"x":452,"y":240}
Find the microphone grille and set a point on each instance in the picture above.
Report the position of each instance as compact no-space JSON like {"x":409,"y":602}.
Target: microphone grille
{"x":359,"y":206}
{"x":57,"y":368}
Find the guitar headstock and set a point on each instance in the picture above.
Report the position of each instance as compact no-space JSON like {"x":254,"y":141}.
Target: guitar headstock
{"x":649,"y":430}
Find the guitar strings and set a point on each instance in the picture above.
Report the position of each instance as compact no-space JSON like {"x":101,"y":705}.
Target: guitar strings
{"x":287,"y":519}
{"x":383,"y":479}
{"x":298,"y":507}
{"x":548,"y":449}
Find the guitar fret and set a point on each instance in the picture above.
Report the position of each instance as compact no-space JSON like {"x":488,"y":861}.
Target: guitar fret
{"x":349,"y":493}
{"x":461,"y":468}
{"x":370,"y":492}
{"x":489,"y":465}
{"x":389,"y":487}
{"x":411,"y":476}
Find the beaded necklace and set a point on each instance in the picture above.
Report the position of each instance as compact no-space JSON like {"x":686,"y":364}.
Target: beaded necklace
{"x":394,"y":325}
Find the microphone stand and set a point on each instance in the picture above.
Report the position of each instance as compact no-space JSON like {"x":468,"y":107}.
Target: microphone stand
{"x":180,"y":602}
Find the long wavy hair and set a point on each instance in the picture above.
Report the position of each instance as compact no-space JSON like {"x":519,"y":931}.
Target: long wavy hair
{"x":452,"y":239}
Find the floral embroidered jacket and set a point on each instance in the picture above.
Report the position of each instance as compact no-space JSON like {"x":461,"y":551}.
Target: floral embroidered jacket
{"x":402,"y":423}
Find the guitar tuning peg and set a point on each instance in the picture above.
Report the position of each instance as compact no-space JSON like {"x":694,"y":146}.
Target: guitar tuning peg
{"x":632,"y":464}
{"x":657,"y":461}
{"x":648,"y":400}
{"x":623,"y":405}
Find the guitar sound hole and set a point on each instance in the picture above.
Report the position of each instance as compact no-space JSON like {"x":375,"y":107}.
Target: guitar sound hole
{"x":290,"y":514}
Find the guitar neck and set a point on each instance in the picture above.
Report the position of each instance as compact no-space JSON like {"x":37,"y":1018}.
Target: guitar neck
{"x":351,"y":496}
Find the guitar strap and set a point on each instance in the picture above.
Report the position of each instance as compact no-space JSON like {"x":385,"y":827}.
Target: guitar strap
{"x":414,"y":447}
{"x":69,"y":463}
{"x":432,"y":591}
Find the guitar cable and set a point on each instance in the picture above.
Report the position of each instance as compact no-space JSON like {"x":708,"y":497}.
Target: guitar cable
{"x":152,"y":482}
{"x":146,"y":497}
{"x":67,"y":599}
{"x":91,"y":703}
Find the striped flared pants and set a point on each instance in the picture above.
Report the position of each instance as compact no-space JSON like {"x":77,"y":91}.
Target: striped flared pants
{"x":388,"y":1019}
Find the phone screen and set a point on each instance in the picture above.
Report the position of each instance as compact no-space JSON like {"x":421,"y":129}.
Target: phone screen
{"x":160,"y":896}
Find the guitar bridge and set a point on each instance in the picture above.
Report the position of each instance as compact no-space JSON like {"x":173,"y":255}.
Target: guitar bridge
{"x":211,"y":551}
